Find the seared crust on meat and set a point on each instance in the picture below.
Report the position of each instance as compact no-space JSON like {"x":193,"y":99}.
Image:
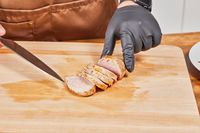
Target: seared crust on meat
{"x":121,"y":66}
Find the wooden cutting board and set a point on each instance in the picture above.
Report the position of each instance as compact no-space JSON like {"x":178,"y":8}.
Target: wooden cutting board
{"x":156,"y":97}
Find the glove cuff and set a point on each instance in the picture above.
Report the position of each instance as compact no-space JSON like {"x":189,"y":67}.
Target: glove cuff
{"x":147,"y":4}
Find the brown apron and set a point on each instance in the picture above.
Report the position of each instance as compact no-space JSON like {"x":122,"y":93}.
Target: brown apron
{"x":55,"y":20}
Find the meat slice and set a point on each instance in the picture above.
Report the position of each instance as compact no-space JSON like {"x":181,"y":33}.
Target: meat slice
{"x":94,"y":80}
{"x":80,"y":86}
{"x":91,"y":71}
{"x":104,"y":72}
{"x":114,"y":65}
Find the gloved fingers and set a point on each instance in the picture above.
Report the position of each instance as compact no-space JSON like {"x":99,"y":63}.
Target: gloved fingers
{"x":157,"y":38}
{"x":157,"y":34}
{"x":109,"y":44}
{"x":136,"y":36}
{"x":147,"y":39}
{"x":128,"y":51}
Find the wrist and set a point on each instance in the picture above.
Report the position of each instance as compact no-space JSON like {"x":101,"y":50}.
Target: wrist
{"x":121,"y":1}
{"x":147,"y":4}
{"x":126,"y":3}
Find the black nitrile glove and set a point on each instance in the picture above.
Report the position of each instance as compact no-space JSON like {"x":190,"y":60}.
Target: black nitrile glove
{"x":137,"y":29}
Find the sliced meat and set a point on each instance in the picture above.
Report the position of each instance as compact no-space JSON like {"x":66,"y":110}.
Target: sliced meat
{"x":104,"y":71}
{"x":94,"y":80}
{"x":91,"y":71}
{"x":114,"y":65}
{"x":80,"y":86}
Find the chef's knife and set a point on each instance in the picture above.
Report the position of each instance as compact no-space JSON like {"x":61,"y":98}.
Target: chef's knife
{"x":29,"y":57}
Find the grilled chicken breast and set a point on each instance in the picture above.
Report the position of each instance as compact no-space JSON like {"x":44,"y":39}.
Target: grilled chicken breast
{"x":102,"y":75}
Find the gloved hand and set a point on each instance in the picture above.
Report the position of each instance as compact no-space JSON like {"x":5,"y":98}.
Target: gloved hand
{"x":137,"y":29}
{"x":2,"y":32}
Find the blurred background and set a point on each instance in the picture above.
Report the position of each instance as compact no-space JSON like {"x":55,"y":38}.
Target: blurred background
{"x":177,"y":16}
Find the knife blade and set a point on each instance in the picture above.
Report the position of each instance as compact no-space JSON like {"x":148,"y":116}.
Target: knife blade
{"x":29,"y":57}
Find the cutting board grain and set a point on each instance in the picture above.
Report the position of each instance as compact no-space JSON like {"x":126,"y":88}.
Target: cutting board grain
{"x":156,"y":97}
